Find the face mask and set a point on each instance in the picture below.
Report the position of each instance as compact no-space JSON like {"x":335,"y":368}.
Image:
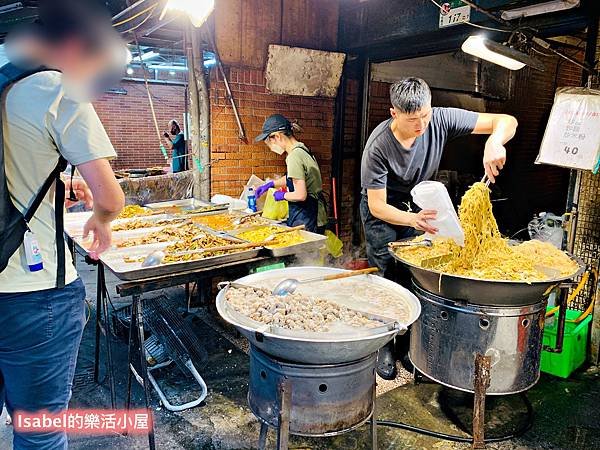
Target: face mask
{"x":276,"y":149}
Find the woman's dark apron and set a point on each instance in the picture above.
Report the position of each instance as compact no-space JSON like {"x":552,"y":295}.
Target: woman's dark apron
{"x":304,"y":212}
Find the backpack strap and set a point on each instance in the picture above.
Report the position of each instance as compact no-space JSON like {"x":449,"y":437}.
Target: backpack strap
{"x":9,"y":74}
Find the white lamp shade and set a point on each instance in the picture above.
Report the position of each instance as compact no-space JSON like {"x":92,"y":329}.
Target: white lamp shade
{"x":476,"y":46}
{"x":197,"y":10}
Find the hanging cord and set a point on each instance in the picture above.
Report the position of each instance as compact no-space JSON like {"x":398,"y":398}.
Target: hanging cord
{"x":136,"y":15}
{"x":450,"y":437}
{"x":139,"y":24}
{"x":162,"y":147}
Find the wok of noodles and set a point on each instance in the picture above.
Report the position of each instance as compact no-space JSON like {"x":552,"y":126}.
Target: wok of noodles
{"x":486,"y":254}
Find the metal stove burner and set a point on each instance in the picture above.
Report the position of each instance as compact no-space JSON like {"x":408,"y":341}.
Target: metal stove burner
{"x":448,"y":335}
{"x":310,"y":400}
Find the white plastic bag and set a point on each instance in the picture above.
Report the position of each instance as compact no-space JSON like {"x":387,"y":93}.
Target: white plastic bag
{"x":434,"y":195}
{"x":254,"y":181}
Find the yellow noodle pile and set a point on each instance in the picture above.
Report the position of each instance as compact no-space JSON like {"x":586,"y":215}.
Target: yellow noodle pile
{"x":486,"y":254}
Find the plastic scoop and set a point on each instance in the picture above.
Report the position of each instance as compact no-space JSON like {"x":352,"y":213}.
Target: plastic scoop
{"x":273,"y":236}
{"x":289,"y":285}
{"x":241,"y":220}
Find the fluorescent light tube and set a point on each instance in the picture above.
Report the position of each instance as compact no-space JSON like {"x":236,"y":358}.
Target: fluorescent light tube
{"x":499,"y":54}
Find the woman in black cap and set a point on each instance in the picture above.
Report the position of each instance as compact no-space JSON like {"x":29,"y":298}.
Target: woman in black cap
{"x":303,"y":178}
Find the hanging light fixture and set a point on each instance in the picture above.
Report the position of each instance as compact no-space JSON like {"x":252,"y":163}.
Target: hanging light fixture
{"x":197,"y":10}
{"x":540,"y":8}
{"x":502,"y":55}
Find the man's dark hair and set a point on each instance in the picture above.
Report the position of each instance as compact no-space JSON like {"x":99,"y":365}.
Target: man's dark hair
{"x":84,"y":20}
{"x":410,"y":95}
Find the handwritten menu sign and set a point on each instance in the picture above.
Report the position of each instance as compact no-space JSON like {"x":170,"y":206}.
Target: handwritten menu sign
{"x":572,"y":136}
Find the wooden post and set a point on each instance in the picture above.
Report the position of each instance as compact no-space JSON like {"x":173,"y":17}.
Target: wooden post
{"x":199,"y":105}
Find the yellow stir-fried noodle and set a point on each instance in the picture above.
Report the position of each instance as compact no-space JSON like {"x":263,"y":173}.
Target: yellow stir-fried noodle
{"x":486,"y":254}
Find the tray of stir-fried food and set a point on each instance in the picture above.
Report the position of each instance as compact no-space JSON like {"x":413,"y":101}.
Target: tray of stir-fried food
{"x":180,"y":248}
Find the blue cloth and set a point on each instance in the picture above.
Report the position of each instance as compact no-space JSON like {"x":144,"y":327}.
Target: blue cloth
{"x":179,"y":154}
{"x":40,"y":333}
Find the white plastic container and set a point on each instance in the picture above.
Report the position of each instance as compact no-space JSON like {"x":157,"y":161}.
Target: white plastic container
{"x":434,"y":195}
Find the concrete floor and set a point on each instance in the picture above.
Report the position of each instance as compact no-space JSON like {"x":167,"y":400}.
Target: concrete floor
{"x":566,"y":411}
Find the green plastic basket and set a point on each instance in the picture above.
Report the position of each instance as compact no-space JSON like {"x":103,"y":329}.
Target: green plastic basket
{"x":574,"y":346}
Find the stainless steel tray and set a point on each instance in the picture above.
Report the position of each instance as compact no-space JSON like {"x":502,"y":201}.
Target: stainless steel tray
{"x":134,"y":271}
{"x":186,"y":203}
{"x":313,"y":242}
{"x":113,"y":258}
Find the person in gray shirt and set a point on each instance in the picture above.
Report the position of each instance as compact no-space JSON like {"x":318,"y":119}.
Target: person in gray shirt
{"x":405,"y":150}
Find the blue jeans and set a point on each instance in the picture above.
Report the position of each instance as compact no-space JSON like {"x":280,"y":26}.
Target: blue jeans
{"x":40,"y":333}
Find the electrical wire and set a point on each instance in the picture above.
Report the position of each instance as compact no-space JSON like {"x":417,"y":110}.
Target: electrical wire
{"x":136,"y":15}
{"x":441,"y":8}
{"x":450,"y":437}
{"x":139,"y":24}
{"x":542,"y":53}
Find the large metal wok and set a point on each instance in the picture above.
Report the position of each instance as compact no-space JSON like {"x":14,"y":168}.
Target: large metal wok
{"x":483,"y":292}
{"x":312,"y":347}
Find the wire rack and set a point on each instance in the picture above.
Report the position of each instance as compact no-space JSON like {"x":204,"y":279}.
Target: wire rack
{"x":587,"y":235}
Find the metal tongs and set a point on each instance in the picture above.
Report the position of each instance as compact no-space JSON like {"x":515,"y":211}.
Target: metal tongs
{"x":412,"y":243}
{"x":486,"y":180}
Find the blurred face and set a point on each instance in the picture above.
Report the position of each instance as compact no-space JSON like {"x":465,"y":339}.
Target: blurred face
{"x":412,"y":124}
{"x":174,"y":129}
{"x":77,"y":63}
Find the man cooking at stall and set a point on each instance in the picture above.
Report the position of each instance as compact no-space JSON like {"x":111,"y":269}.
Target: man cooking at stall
{"x":406,"y":149}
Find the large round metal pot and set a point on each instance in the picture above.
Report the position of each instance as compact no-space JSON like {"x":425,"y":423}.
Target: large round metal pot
{"x":448,"y":335}
{"x":483,"y":292}
{"x":325,"y":399}
{"x":316,"y":349}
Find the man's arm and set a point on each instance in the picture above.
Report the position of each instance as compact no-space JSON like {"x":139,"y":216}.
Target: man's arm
{"x":383,"y":211}
{"x":108,"y":203}
{"x":501,"y":128}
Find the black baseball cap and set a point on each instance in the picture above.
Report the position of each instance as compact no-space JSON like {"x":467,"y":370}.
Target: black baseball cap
{"x":274,"y":123}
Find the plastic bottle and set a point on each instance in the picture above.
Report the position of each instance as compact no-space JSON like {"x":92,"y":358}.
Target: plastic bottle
{"x":251,"y":199}
{"x":434,"y":195}
{"x":33,"y":255}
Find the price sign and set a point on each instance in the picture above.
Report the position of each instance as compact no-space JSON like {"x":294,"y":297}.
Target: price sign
{"x":454,"y":13}
{"x":572,"y":136}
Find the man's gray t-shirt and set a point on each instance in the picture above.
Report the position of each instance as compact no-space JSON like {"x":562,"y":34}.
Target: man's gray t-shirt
{"x":387,"y":164}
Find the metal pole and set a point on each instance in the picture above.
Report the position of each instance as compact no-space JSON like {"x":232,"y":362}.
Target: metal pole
{"x":482,"y":382}
{"x":285,"y":404}
{"x":374,"y":419}
{"x":139,"y":321}
{"x":99,"y":292}
{"x":363,"y":123}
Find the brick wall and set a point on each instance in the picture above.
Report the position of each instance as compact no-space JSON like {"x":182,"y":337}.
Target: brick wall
{"x":128,"y":121}
{"x":234,"y":161}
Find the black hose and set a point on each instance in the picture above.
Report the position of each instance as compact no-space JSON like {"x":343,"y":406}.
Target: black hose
{"x":450,"y":437}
